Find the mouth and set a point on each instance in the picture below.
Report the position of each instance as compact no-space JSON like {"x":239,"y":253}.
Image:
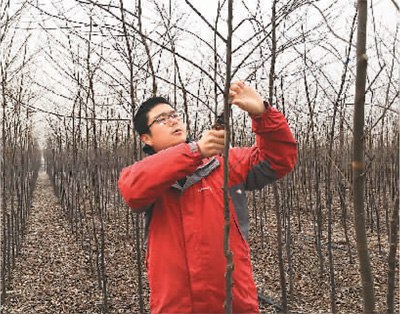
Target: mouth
{"x":177,"y":132}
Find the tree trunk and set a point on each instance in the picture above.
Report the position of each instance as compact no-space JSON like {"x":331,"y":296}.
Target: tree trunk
{"x":394,"y":225}
{"x":275,"y":187}
{"x":358,"y":163}
{"x":228,"y":252}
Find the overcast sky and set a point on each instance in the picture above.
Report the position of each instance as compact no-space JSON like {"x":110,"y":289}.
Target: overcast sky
{"x":386,"y":18}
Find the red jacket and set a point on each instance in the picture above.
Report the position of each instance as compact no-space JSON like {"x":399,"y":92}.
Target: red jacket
{"x":185,"y":254}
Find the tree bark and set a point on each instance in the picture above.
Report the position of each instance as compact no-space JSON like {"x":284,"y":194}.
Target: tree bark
{"x":394,"y":225}
{"x":228,"y":252}
{"x":358,"y":162}
{"x":282,"y":276}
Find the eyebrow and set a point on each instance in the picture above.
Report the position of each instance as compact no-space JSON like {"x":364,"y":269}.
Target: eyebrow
{"x":163,"y":114}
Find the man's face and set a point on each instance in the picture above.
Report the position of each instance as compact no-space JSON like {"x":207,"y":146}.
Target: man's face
{"x":170,"y":132}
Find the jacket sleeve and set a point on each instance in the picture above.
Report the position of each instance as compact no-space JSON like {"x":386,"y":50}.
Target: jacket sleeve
{"x":273,"y":155}
{"x":143,"y":182}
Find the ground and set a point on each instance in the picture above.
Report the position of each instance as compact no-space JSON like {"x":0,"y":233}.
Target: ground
{"x":52,"y":273}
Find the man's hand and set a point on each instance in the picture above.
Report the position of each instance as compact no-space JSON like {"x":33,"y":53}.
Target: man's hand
{"x":212,"y":143}
{"x":246,"y":98}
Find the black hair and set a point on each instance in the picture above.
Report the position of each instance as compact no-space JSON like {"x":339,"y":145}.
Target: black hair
{"x":140,"y":121}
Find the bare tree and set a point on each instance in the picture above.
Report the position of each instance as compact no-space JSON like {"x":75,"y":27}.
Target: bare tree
{"x":358,"y":162}
{"x":227,"y":213}
{"x":278,"y":207}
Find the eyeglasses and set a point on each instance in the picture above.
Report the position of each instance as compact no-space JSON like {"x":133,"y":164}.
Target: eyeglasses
{"x":165,"y":118}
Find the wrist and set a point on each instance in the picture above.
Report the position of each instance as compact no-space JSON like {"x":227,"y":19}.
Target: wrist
{"x":201,"y":151}
{"x":194,"y":147}
{"x":265,"y":107}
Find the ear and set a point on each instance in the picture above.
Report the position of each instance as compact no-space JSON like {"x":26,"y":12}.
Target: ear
{"x":147,"y":139}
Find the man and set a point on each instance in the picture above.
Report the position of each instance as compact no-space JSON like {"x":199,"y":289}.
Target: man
{"x":181,"y":186}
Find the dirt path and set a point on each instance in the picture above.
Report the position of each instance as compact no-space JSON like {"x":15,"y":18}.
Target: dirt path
{"x":51,"y":275}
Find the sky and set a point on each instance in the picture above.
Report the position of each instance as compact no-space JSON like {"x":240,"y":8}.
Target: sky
{"x":386,"y":18}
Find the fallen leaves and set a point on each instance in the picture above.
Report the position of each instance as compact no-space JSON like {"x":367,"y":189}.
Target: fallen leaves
{"x":52,"y":272}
